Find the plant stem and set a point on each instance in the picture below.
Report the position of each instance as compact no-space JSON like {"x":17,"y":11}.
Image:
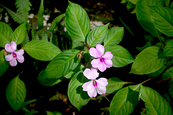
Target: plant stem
{"x":164,"y":79}
{"x":147,"y":80}
{"x":160,"y":40}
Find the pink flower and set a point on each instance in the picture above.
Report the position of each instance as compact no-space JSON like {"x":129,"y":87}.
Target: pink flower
{"x":95,"y":85}
{"x":14,"y":54}
{"x":103,"y":61}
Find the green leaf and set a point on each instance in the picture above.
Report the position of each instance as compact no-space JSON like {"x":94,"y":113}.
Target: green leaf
{"x":53,"y":113}
{"x":40,"y":15}
{"x":56,"y":21}
{"x":62,"y":64}
{"x":23,"y":8}
{"x":121,"y":56}
{"x":147,"y":61}
{"x":114,"y":36}
{"x":5,"y":34}
{"x":77,"y":22}
{"x":28,"y":102}
{"x":144,"y":16}
{"x":34,"y":34}
{"x":162,"y":19}
{"x":41,"y":50}
{"x":114,"y":84}
{"x":168,"y":50}
{"x":3,"y":63}
{"x":97,"y":35}
{"x":76,"y":95}
{"x":16,"y":93}
{"x":47,"y":81}
{"x":124,"y":101}
{"x":19,"y":34}
{"x":45,"y":36}
{"x":155,"y":104}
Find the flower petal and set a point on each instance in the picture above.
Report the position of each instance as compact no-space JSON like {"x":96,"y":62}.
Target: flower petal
{"x":108,"y":63}
{"x":108,"y":55}
{"x":100,"y":49}
{"x":13,"y":45}
{"x":102,"y":67}
{"x":101,"y":90}
{"x":87,"y":86}
{"x":95,"y":63}
{"x":20,"y":52}
{"x":94,"y":53}
{"x":8,"y":48}
{"x":102,"y":82}
{"x":20,"y":58}
{"x":91,"y":73}
{"x":13,"y":62}
{"x":9,"y":57}
{"x":92,"y":92}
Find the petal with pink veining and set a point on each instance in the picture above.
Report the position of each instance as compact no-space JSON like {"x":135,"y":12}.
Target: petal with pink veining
{"x":100,"y":49}
{"x":108,"y":63}
{"x":94,"y":53}
{"x":108,"y":55}
{"x":8,"y":48}
{"x":20,"y":52}
{"x":9,"y":57}
{"x":13,"y":45}
{"x":13,"y":62}
{"x":20,"y":58}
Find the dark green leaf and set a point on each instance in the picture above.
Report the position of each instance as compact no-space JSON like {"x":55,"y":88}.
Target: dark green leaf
{"x":40,"y":15}
{"x":168,"y":50}
{"x":3,"y":63}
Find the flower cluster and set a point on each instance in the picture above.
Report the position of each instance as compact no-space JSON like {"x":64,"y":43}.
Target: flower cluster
{"x":102,"y":62}
{"x":14,"y":54}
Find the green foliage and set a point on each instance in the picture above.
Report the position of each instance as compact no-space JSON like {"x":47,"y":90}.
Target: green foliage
{"x":168,"y":50}
{"x":76,"y":95}
{"x":155,"y":104}
{"x":41,"y":50}
{"x":147,"y":61}
{"x":40,"y":15}
{"x":16,"y":93}
{"x":3,"y":63}
{"x":124,"y":101}
{"x":5,"y":34}
{"x":97,"y":35}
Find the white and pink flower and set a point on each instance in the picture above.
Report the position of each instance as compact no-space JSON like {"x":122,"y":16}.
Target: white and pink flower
{"x":95,"y":85}
{"x":14,"y":54}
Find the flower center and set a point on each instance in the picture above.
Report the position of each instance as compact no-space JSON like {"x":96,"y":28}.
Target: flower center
{"x":94,"y":83}
{"x":14,"y":55}
{"x":102,"y":59}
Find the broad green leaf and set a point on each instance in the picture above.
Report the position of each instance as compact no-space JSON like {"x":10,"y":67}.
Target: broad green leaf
{"x":162,"y":19}
{"x":144,"y":16}
{"x":76,"y":95}
{"x":114,"y":36}
{"x":19,"y":34}
{"x":77,"y":22}
{"x":147,"y":61}
{"x":133,"y":1}
{"x":23,"y":8}
{"x":168,"y":49}
{"x":62,"y":64}
{"x":3,"y":63}
{"x":114,"y":84}
{"x":121,"y":56}
{"x":41,"y":50}
{"x":56,"y":21}
{"x":124,"y":101}
{"x":47,"y":81}
{"x":5,"y":34}
{"x":155,"y":104}
{"x":53,"y":113}
{"x":96,"y":35}
{"x":40,"y":15}
{"x":16,"y":93}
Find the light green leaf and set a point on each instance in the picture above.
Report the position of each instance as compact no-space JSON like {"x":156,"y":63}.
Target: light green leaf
{"x":96,"y":35}
{"x":124,"y":101}
{"x":16,"y":93}
{"x":34,"y":34}
{"x":147,"y":61}
{"x":19,"y":34}
{"x":121,"y":56}
{"x":40,"y":15}
{"x":162,"y":19}
{"x":77,"y":22}
{"x":155,"y":104}
{"x":53,"y":113}
{"x":62,"y":64}
{"x":5,"y":34}
{"x":168,"y":50}
{"x":47,"y":81}
{"x":114,"y":84}
{"x":114,"y":36}
{"x":45,"y":36}
{"x":56,"y":21}
{"x":76,"y":95}
{"x":3,"y":63}
{"x":41,"y":50}
{"x":144,"y":16}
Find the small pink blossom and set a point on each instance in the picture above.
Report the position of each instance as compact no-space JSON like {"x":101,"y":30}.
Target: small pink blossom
{"x":103,"y":61}
{"x":14,"y":54}
{"x":95,"y":85}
